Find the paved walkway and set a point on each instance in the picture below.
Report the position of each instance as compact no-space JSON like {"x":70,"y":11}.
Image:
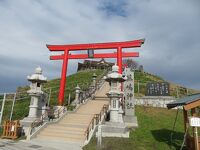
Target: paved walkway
{"x":68,"y":133}
{"x":37,"y":145}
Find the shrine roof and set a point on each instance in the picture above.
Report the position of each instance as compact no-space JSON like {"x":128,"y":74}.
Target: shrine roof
{"x":184,"y":101}
{"x":102,"y":61}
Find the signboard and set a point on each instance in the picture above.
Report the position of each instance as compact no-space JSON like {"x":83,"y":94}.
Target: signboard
{"x":194,"y":121}
{"x":157,"y":89}
{"x":90,"y":53}
{"x":129,"y":92}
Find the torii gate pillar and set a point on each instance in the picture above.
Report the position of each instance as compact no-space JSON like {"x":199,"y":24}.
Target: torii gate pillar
{"x":63,"y":77}
{"x":119,"y":59}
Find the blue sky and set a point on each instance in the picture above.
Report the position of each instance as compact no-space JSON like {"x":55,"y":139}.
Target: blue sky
{"x":171,"y":29}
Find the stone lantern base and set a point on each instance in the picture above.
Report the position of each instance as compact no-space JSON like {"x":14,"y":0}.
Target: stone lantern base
{"x":26,"y":124}
{"x":114,"y":129}
{"x":130,"y":121}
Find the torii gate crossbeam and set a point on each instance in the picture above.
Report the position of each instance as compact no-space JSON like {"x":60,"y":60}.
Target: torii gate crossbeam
{"x":94,"y":46}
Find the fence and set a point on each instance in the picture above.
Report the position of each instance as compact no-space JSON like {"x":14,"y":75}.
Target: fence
{"x":11,"y":129}
{"x":154,"y":101}
{"x":95,"y":120}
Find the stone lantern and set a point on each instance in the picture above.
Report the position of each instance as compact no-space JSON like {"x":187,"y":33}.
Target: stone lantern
{"x":77,"y":97}
{"x":94,"y":76}
{"x":115,"y":79}
{"x":115,"y":127}
{"x":37,"y":98}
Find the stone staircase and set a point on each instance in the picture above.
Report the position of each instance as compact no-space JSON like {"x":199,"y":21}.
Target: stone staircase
{"x":73,"y":126}
{"x":101,"y":94}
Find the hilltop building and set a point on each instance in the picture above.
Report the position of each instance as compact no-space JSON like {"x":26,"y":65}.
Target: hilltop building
{"x":90,"y":64}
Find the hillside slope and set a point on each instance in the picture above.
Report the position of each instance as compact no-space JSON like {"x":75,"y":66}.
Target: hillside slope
{"x":143,"y":78}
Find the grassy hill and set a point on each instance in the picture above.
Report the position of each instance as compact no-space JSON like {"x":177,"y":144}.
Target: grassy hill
{"x":144,"y":77}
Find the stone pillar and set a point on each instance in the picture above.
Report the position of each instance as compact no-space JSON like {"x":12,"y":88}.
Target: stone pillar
{"x":129,"y":92}
{"x":129,"y":118}
{"x":33,"y":105}
{"x":114,"y":105}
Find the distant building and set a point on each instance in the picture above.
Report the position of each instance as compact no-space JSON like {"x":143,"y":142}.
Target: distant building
{"x":90,"y":64}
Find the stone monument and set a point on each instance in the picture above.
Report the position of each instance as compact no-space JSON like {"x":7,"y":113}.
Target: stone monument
{"x":130,"y":119}
{"x":115,"y":127}
{"x":38,"y":101}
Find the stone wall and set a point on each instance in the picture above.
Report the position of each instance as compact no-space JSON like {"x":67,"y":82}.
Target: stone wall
{"x":154,"y":101}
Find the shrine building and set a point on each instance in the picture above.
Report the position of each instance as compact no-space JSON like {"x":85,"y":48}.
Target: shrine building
{"x":90,"y":64}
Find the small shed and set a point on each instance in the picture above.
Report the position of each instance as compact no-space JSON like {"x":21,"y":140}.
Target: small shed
{"x":191,"y":105}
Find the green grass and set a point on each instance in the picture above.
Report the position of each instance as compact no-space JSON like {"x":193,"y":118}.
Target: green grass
{"x":144,"y":77}
{"x":153,"y":133}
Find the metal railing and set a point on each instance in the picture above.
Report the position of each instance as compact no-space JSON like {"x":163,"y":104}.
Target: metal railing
{"x":85,"y":94}
{"x":95,"y":120}
{"x":40,"y":121}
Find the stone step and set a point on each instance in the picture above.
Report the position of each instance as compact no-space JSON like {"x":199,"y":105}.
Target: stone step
{"x":101,"y":97}
{"x":81,"y":117}
{"x":76,"y":114}
{"x":77,"y":124}
{"x":69,"y":139}
{"x":62,"y":134}
{"x":72,"y":126}
{"x":77,"y":119}
{"x":61,"y":127}
{"x":64,"y":131}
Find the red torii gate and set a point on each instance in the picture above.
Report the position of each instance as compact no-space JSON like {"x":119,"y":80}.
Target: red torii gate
{"x":93,"y":46}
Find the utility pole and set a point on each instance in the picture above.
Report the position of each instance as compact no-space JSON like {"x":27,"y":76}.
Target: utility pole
{"x":13,"y":104}
{"x":2,"y":107}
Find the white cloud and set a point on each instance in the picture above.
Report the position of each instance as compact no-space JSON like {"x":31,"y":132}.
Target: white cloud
{"x":171,"y":30}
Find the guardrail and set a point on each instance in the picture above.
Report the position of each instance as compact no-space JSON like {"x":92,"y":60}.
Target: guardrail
{"x":40,"y":121}
{"x":95,"y":120}
{"x":85,"y":94}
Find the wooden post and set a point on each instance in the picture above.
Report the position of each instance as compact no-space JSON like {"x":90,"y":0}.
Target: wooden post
{"x":185,"y":120}
{"x":194,"y":130}
{"x":185,"y":117}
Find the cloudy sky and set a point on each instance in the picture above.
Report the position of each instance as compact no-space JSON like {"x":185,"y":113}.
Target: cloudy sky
{"x":171,"y":29}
